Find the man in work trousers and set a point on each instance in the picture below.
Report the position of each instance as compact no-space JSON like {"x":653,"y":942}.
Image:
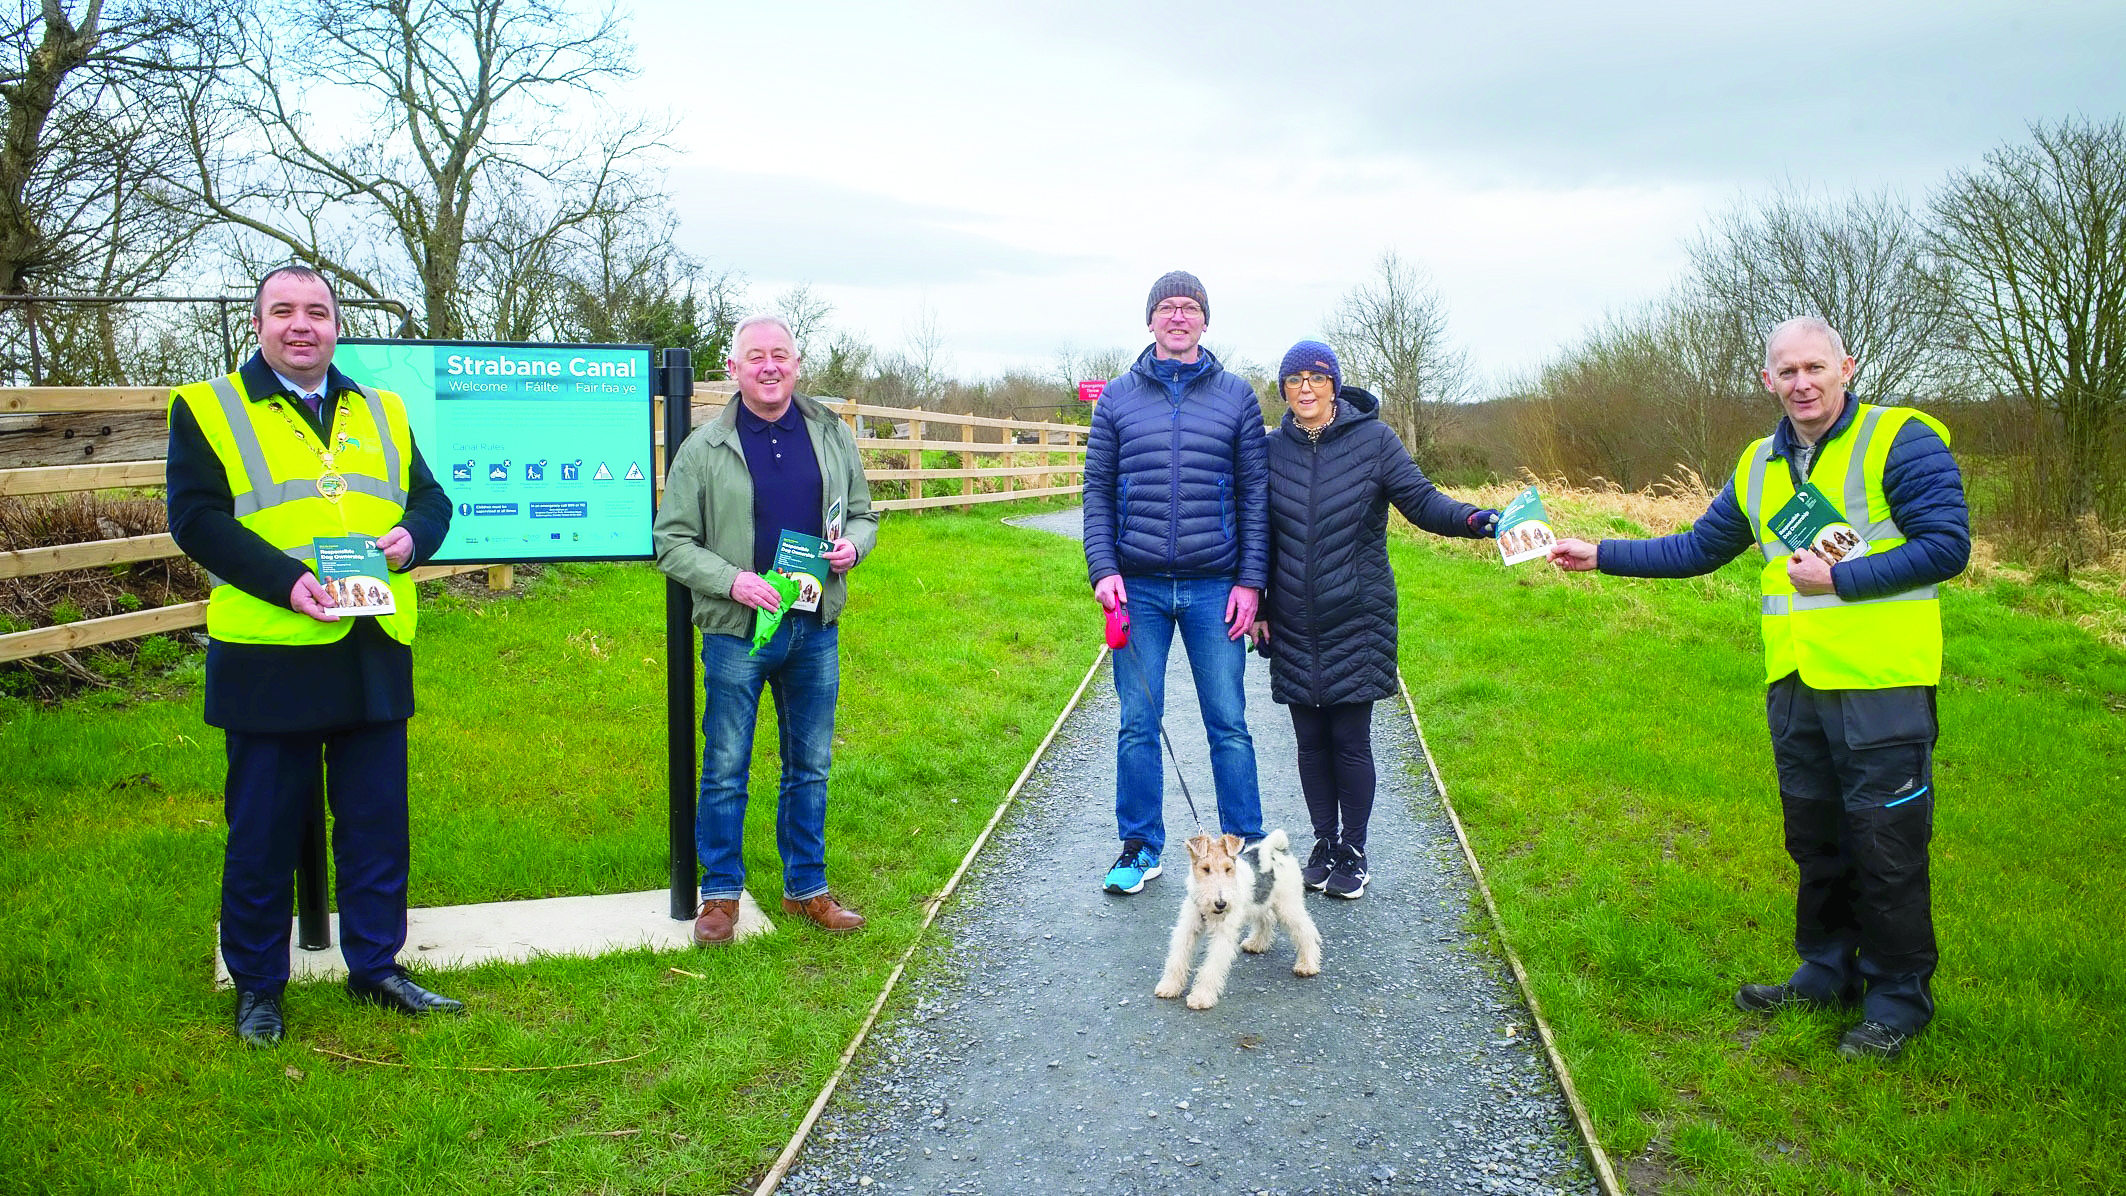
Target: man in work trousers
{"x":773,"y":461}
{"x":261,"y":463}
{"x":1177,"y":527}
{"x":1852,"y":656}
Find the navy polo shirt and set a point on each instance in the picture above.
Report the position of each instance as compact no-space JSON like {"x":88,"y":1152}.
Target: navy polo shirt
{"x":786,"y":483}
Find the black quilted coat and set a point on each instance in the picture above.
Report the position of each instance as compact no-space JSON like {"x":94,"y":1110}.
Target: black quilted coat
{"x":1331,"y":601}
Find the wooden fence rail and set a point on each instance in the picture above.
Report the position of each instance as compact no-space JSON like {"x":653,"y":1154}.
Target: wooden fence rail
{"x":61,"y":440}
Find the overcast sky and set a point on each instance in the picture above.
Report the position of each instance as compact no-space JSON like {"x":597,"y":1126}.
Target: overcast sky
{"x":1025,"y":172}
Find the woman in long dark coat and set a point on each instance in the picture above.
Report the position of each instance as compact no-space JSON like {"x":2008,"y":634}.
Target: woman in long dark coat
{"x":1330,"y":612}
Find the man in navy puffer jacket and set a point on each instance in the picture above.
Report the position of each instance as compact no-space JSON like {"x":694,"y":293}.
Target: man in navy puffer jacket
{"x":1177,"y":528}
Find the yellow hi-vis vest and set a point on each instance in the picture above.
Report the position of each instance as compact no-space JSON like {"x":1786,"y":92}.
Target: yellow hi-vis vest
{"x":1874,"y":643}
{"x":272,"y":457}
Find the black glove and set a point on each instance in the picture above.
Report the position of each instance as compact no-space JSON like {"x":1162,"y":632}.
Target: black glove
{"x":1484,"y":524}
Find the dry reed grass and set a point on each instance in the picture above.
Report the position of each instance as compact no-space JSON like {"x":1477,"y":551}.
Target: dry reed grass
{"x":45,"y":521}
{"x":71,"y":595}
{"x":1589,"y":511}
{"x":1662,"y":508}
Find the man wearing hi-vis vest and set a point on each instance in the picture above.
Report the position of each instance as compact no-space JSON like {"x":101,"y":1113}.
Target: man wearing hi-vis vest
{"x":1852,"y":651}
{"x":262,"y":463}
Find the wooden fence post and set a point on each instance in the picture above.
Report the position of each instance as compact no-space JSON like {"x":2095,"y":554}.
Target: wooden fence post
{"x":967,"y":467}
{"x":915,"y":454}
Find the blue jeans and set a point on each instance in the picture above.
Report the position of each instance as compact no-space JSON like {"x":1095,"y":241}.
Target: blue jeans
{"x":802,"y":666}
{"x":1197,"y":605}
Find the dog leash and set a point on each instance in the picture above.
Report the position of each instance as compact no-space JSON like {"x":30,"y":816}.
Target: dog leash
{"x":1118,"y":640}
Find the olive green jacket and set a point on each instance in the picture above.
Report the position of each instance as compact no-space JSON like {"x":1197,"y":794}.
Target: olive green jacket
{"x":704,"y":528}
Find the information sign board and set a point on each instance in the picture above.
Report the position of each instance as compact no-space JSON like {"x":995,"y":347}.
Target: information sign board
{"x":547,"y":451}
{"x":1089,"y":392}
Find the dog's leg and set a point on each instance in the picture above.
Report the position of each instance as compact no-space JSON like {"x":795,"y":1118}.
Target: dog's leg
{"x":1306,"y":937}
{"x":1217,"y":961}
{"x":1261,"y":925}
{"x":1179,"y":948}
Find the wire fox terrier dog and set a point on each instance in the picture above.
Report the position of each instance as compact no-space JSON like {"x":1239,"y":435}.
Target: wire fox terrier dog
{"x":1225,"y":896}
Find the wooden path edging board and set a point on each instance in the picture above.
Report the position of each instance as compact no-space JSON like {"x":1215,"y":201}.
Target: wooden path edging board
{"x":1604,"y":1174}
{"x":788,"y":1157}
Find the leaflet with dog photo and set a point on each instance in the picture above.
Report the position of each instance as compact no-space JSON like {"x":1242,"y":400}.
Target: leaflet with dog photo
{"x":1810,"y":520}
{"x":1524,"y":529}
{"x":356,"y":574}
{"x":803,"y":559}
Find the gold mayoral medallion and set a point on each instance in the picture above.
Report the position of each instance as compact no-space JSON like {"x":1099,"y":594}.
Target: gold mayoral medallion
{"x":330,"y":485}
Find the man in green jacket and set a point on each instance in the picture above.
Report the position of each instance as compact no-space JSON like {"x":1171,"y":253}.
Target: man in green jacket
{"x":774,"y":461}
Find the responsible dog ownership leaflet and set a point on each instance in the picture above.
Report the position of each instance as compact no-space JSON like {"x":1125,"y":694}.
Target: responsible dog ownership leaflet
{"x":1524,"y":529}
{"x":1810,"y":520}
{"x":803,"y":559}
{"x":355,"y":574}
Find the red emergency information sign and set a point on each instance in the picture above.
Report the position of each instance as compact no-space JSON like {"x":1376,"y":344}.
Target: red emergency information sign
{"x":1089,"y":392}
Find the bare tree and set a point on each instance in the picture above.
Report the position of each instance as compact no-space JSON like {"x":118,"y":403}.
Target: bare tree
{"x":86,"y":161}
{"x":1860,"y":263}
{"x":1645,"y":393}
{"x":925,"y":362}
{"x":1391,"y":337}
{"x":842,"y":369}
{"x":806,"y":314}
{"x":629,"y":285}
{"x":1090,"y":365}
{"x":2036,"y":242}
{"x":471,"y":148}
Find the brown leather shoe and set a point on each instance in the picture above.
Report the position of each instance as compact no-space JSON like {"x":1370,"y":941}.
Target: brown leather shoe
{"x":718,"y":923}
{"x":825,"y":912}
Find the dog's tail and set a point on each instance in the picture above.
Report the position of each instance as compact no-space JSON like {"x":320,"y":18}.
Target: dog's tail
{"x":1271,"y":844}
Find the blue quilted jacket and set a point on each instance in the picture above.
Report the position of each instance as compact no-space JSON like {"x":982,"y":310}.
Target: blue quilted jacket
{"x":1920,"y":479}
{"x":1177,"y":475}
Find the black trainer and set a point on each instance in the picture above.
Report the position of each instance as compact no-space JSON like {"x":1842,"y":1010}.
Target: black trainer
{"x":1771,"y":998}
{"x":1873,"y":1040}
{"x":1319,"y":864}
{"x":1347,"y":878}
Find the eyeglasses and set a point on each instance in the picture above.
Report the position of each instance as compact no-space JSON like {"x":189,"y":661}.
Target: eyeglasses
{"x":1311,"y":381}
{"x":1173,"y":311}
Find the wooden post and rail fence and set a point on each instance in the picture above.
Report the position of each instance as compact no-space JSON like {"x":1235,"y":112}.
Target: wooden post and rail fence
{"x":67,"y":440}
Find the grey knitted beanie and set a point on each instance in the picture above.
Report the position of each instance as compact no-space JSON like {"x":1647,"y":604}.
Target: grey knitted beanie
{"x":1177,"y":284}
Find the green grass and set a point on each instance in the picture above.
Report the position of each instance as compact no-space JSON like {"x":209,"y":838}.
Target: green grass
{"x":1604,"y":741}
{"x":1602,"y":738}
{"x":537,"y":761}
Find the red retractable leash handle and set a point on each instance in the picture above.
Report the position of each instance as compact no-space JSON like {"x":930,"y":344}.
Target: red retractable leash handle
{"x":1118,"y":627}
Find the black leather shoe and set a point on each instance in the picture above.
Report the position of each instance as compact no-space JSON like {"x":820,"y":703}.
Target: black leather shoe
{"x":258,"y":1018}
{"x":401,"y":993}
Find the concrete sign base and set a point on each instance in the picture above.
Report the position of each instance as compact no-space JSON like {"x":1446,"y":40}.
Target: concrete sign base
{"x":462,"y":936}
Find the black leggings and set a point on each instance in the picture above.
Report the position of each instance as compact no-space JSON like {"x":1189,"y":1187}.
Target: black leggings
{"x":1336,"y":768}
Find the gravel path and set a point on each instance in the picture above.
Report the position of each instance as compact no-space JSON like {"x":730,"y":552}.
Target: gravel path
{"x":1025,"y":1052}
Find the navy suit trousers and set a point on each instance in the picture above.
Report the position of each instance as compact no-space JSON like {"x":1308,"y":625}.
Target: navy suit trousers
{"x":271,"y":788}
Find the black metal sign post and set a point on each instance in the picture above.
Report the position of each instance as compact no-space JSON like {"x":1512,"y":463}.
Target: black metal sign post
{"x":313,"y":888}
{"x":676,"y":380}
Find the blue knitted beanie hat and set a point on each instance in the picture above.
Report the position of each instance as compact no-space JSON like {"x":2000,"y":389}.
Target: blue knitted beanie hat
{"x":1311,"y":356}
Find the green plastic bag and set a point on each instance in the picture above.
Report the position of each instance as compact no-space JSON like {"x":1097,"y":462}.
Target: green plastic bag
{"x":766,"y":621}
